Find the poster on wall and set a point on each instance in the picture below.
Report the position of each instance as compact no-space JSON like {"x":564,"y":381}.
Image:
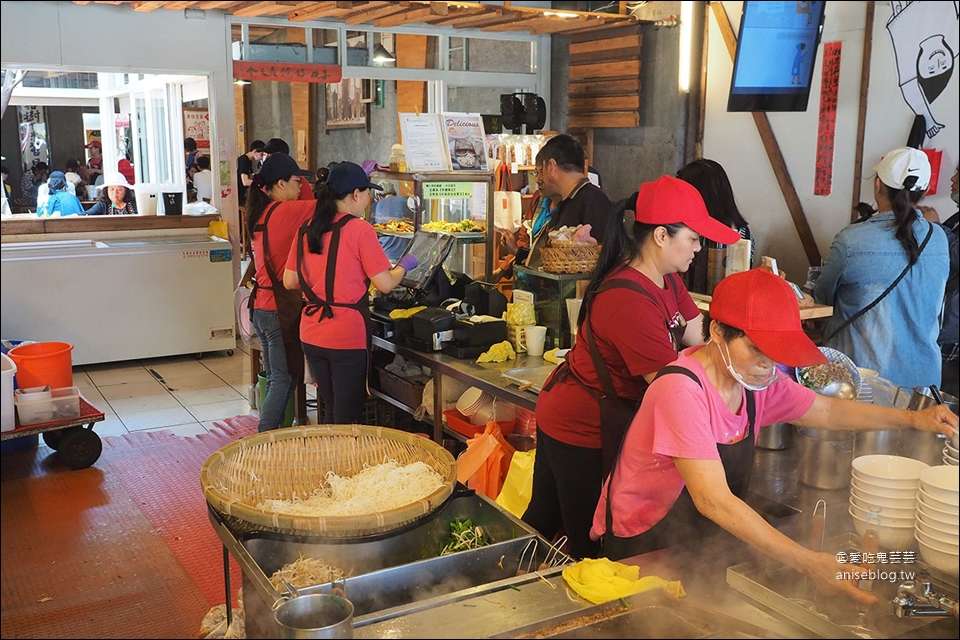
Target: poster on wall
{"x":345,"y":108}
{"x":196,"y":125}
{"x":466,"y":142}
{"x":33,"y":136}
{"x":926,"y":43}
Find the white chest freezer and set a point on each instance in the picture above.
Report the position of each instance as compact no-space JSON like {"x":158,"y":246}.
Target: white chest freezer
{"x":121,"y":299}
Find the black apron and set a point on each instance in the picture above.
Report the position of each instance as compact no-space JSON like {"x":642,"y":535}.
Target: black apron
{"x":316,"y":305}
{"x":289,"y":305}
{"x":616,"y":413}
{"x":683,"y":524}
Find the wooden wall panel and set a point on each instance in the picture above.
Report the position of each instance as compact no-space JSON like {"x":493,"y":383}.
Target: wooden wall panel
{"x":411,"y":95}
{"x":604,"y":89}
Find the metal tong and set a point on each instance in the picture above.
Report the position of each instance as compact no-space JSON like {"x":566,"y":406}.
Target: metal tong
{"x":817,"y":527}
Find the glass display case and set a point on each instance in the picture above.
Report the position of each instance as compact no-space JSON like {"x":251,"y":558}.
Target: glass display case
{"x":455,"y":202}
{"x":550,"y":292}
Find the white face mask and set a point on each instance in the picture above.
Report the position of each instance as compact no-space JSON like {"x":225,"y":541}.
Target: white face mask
{"x":739,"y":378}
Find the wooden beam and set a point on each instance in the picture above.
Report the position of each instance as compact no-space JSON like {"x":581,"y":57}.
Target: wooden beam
{"x":406,"y":17}
{"x":266,"y":9}
{"x":612,"y":55}
{"x":774,"y":155}
{"x":456,"y":13}
{"x":146,"y":6}
{"x":318,"y":10}
{"x":495,"y":16}
{"x":225,"y":6}
{"x":375,"y":10}
{"x":613,"y":120}
{"x":632,"y":41}
{"x":862,"y":115}
{"x":177,"y":6}
{"x":525,"y":23}
{"x":607,"y":86}
{"x":603,"y":103}
{"x":605,"y":69}
{"x":613,"y":29}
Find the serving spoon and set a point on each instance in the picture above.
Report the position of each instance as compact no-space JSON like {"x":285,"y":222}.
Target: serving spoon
{"x":839,"y":389}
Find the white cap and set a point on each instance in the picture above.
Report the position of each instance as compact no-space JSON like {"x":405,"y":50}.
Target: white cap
{"x":115,"y":179}
{"x":901,"y":163}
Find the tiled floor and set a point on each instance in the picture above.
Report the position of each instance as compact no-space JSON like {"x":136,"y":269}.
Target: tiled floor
{"x":182,"y":394}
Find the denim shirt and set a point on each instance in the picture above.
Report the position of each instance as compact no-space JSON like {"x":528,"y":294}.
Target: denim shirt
{"x":897,"y":337}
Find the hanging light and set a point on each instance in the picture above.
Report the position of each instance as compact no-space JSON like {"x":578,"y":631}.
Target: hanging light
{"x":380,"y":54}
{"x":241,"y":82}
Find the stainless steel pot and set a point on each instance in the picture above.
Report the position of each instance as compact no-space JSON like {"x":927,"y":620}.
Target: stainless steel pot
{"x":868,"y":443}
{"x":315,"y":615}
{"x":776,"y":436}
{"x":825,"y":457}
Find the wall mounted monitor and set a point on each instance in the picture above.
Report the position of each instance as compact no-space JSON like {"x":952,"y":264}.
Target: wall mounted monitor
{"x":776,"y":54}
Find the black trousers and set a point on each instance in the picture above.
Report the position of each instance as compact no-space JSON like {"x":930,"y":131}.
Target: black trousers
{"x":341,"y":376}
{"x":566,"y":488}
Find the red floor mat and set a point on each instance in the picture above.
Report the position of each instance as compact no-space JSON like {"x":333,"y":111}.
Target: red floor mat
{"x":123,"y":549}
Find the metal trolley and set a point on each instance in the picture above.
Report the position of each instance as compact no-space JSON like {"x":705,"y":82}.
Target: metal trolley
{"x":74,"y":440}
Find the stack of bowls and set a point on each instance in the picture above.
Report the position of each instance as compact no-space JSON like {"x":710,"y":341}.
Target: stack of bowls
{"x":476,"y":405}
{"x":951,"y":455}
{"x":938,"y":518}
{"x":883,"y":497}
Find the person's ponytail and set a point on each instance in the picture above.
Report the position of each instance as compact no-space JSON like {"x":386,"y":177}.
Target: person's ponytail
{"x":322,"y":220}
{"x":903,"y":202}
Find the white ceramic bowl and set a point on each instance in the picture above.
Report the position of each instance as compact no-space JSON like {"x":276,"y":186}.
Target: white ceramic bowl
{"x":938,"y":506}
{"x":889,"y":471}
{"x":885,"y":519}
{"x":935,"y":541}
{"x":950,"y":462}
{"x":891,"y":538}
{"x":938,"y":517}
{"x":889,"y":488}
{"x":839,"y":357}
{"x":950,"y":531}
{"x":942,"y":482}
{"x":939,"y":559}
{"x":886,"y":512}
{"x":869,"y":495}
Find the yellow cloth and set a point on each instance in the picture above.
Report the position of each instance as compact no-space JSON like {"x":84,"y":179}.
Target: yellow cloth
{"x":551,"y":356}
{"x":602,"y":580}
{"x":500,"y":352}
{"x":399,"y":314}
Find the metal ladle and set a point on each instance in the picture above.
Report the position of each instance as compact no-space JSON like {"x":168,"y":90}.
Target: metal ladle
{"x":839,"y":389}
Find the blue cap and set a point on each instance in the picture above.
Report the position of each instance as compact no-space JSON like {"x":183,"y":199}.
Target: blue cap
{"x":346,"y":177}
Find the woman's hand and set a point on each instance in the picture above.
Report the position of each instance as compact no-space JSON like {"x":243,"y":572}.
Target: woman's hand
{"x":508,"y":239}
{"x":938,"y":419}
{"x":834,"y":578}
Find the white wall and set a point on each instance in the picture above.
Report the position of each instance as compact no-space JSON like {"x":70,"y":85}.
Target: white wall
{"x":96,"y":37}
{"x":732,"y":138}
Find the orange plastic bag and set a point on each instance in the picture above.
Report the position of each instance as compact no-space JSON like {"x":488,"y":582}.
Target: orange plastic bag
{"x":484,"y":465}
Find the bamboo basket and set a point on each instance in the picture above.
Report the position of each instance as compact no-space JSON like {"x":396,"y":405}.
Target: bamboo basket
{"x":295,"y":461}
{"x":563,"y":256}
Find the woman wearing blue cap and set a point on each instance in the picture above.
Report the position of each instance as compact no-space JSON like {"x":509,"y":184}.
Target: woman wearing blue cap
{"x":333,"y":261}
{"x":272,"y":215}
{"x":60,"y":202}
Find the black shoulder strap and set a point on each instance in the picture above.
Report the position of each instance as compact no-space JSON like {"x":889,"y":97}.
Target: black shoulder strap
{"x":316,"y":304}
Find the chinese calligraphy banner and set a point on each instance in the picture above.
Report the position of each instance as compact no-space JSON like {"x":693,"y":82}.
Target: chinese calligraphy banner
{"x":286,"y":72}
{"x":827,"y":126}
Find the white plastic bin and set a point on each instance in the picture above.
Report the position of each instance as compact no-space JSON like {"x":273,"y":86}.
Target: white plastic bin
{"x":147,"y":196}
{"x":57,"y":404}
{"x":6,"y":401}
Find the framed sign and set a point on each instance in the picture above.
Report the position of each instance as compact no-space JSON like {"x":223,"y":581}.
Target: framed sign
{"x":345,"y":107}
{"x":196,"y":125}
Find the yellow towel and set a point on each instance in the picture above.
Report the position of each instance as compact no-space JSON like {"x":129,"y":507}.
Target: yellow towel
{"x":500,"y":352}
{"x":399,"y":314}
{"x":602,"y":580}
{"x":551,"y":356}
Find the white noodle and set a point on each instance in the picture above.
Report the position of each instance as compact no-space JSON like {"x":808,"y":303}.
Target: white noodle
{"x":377,"y":488}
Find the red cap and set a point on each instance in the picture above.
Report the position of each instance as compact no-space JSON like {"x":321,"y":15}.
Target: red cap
{"x":669,"y":200}
{"x":765,"y":307}
{"x":91,"y":145}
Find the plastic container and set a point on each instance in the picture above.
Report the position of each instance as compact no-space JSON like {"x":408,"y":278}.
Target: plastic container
{"x":172,"y":203}
{"x":9,"y":422}
{"x":146,"y":194}
{"x":291,"y":411}
{"x":459,"y":423}
{"x":43,"y":363}
{"x":55,"y":405}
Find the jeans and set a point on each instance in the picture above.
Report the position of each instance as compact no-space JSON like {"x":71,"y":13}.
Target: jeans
{"x":279,"y":381}
{"x":341,"y":377}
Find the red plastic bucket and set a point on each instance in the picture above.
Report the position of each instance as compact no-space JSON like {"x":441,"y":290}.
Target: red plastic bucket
{"x":43,"y":363}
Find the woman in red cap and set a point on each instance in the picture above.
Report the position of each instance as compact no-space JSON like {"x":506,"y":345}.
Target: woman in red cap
{"x":635,"y":315}
{"x":685,"y":463}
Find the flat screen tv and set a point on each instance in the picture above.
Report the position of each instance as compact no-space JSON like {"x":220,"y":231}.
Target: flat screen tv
{"x":776,"y":53}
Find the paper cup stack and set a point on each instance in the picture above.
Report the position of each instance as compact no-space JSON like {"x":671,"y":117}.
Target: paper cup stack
{"x":938,"y":518}
{"x":883,"y":497}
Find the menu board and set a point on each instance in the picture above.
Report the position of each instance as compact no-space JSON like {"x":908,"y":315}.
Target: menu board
{"x":424,"y":144}
{"x":444,"y":142}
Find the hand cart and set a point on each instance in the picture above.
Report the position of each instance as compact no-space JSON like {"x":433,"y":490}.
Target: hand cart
{"x":74,"y":440}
